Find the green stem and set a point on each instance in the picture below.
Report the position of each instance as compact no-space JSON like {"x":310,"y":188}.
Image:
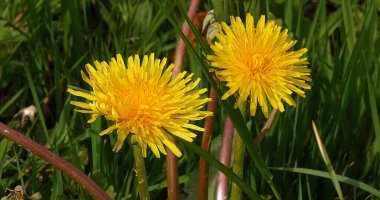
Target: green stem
{"x":237,"y":166}
{"x":140,"y":170}
{"x":238,"y":162}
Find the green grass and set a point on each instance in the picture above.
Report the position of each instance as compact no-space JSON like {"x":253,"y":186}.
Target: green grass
{"x":45,"y":44}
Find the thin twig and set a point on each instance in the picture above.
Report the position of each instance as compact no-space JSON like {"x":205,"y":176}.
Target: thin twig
{"x":265,"y":128}
{"x":206,"y":142}
{"x":67,"y":168}
{"x":171,"y":159}
{"x":225,"y":158}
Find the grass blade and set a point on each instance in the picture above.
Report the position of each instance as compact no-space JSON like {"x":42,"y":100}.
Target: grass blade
{"x":327,"y":161}
{"x":288,"y":14}
{"x":300,"y":188}
{"x":331,"y":25}
{"x":310,"y":35}
{"x":11,"y":101}
{"x":361,"y":45}
{"x":340,"y":178}
{"x":348,"y":24}
{"x":36,"y":102}
{"x":374,"y":114}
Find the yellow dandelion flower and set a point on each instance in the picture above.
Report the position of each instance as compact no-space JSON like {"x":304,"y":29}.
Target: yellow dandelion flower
{"x":258,"y":62}
{"x":142,"y":99}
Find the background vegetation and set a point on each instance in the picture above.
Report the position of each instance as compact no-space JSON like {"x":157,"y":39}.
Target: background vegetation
{"x":44,"y":45}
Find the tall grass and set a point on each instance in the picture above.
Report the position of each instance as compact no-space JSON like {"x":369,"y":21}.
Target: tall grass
{"x":44,"y":45}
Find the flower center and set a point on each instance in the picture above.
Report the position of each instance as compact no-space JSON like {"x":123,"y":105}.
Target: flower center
{"x":257,"y":65}
{"x":138,"y":103}
{"x":258,"y":62}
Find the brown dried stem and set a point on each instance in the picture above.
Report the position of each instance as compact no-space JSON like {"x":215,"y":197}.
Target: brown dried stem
{"x":67,"y":168}
{"x":171,"y":159}
{"x":206,"y":142}
{"x":265,"y":128}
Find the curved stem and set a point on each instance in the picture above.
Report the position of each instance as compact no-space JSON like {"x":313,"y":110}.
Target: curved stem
{"x":140,"y":170}
{"x":206,"y":142}
{"x":67,"y":168}
{"x":171,"y":159}
{"x":225,"y":158}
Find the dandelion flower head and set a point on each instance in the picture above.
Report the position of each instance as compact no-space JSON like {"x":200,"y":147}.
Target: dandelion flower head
{"x":259,"y":63}
{"x":141,"y":99}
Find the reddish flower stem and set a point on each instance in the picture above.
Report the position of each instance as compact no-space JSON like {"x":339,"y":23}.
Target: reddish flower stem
{"x":67,"y":168}
{"x":172,"y":174}
{"x":181,"y":47}
{"x":206,"y":142}
{"x":225,"y":158}
{"x":171,"y":159}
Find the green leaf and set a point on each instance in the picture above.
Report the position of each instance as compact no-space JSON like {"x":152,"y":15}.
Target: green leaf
{"x":4,"y":148}
{"x":340,"y":178}
{"x":57,"y":187}
{"x":164,"y":184}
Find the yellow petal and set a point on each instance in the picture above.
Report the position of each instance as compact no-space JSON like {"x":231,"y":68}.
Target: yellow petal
{"x":81,"y":94}
{"x":80,"y":104}
{"x":173,"y":148}
{"x":108,"y":130}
